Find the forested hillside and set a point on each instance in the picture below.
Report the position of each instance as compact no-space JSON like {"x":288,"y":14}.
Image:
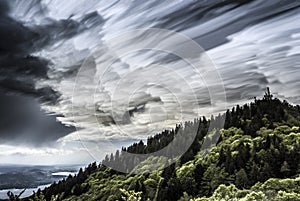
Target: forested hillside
{"x":257,"y":157}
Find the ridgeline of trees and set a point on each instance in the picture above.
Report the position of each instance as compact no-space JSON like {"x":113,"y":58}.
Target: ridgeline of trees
{"x":257,"y":157}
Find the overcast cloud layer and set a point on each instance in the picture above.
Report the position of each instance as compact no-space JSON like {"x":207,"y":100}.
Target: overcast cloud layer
{"x":253,"y":44}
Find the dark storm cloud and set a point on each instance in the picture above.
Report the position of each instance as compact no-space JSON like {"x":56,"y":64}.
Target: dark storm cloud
{"x":21,"y":119}
{"x":19,"y":70}
{"x":22,"y":122}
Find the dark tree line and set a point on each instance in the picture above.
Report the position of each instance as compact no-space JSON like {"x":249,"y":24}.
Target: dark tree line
{"x":254,"y":145}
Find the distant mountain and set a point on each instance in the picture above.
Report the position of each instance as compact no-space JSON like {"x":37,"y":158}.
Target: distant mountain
{"x":257,"y":157}
{"x":19,"y":177}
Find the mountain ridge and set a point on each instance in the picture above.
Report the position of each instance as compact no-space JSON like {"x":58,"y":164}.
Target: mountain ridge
{"x":238,"y":167}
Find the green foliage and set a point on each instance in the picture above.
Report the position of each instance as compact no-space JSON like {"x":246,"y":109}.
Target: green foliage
{"x":186,"y":177}
{"x":273,"y":189}
{"x":152,"y":163}
{"x":256,"y":158}
{"x":131,"y":195}
{"x":185,"y":197}
{"x":152,"y":184}
{"x":274,"y":184}
{"x":224,"y":192}
{"x":241,"y":178}
{"x":38,"y":197}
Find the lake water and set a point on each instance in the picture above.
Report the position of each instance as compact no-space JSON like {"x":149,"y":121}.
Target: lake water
{"x":63,"y":174}
{"x":48,"y":174}
{"x":28,"y":192}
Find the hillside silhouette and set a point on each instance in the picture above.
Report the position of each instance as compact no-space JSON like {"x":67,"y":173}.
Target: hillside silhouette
{"x":256,"y":157}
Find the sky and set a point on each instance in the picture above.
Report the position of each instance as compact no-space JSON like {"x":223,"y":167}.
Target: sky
{"x":68,"y":95}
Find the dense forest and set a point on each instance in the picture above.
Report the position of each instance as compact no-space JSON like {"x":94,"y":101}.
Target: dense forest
{"x":256,"y":157}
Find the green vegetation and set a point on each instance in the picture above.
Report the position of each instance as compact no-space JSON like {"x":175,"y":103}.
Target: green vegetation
{"x":257,"y":157}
